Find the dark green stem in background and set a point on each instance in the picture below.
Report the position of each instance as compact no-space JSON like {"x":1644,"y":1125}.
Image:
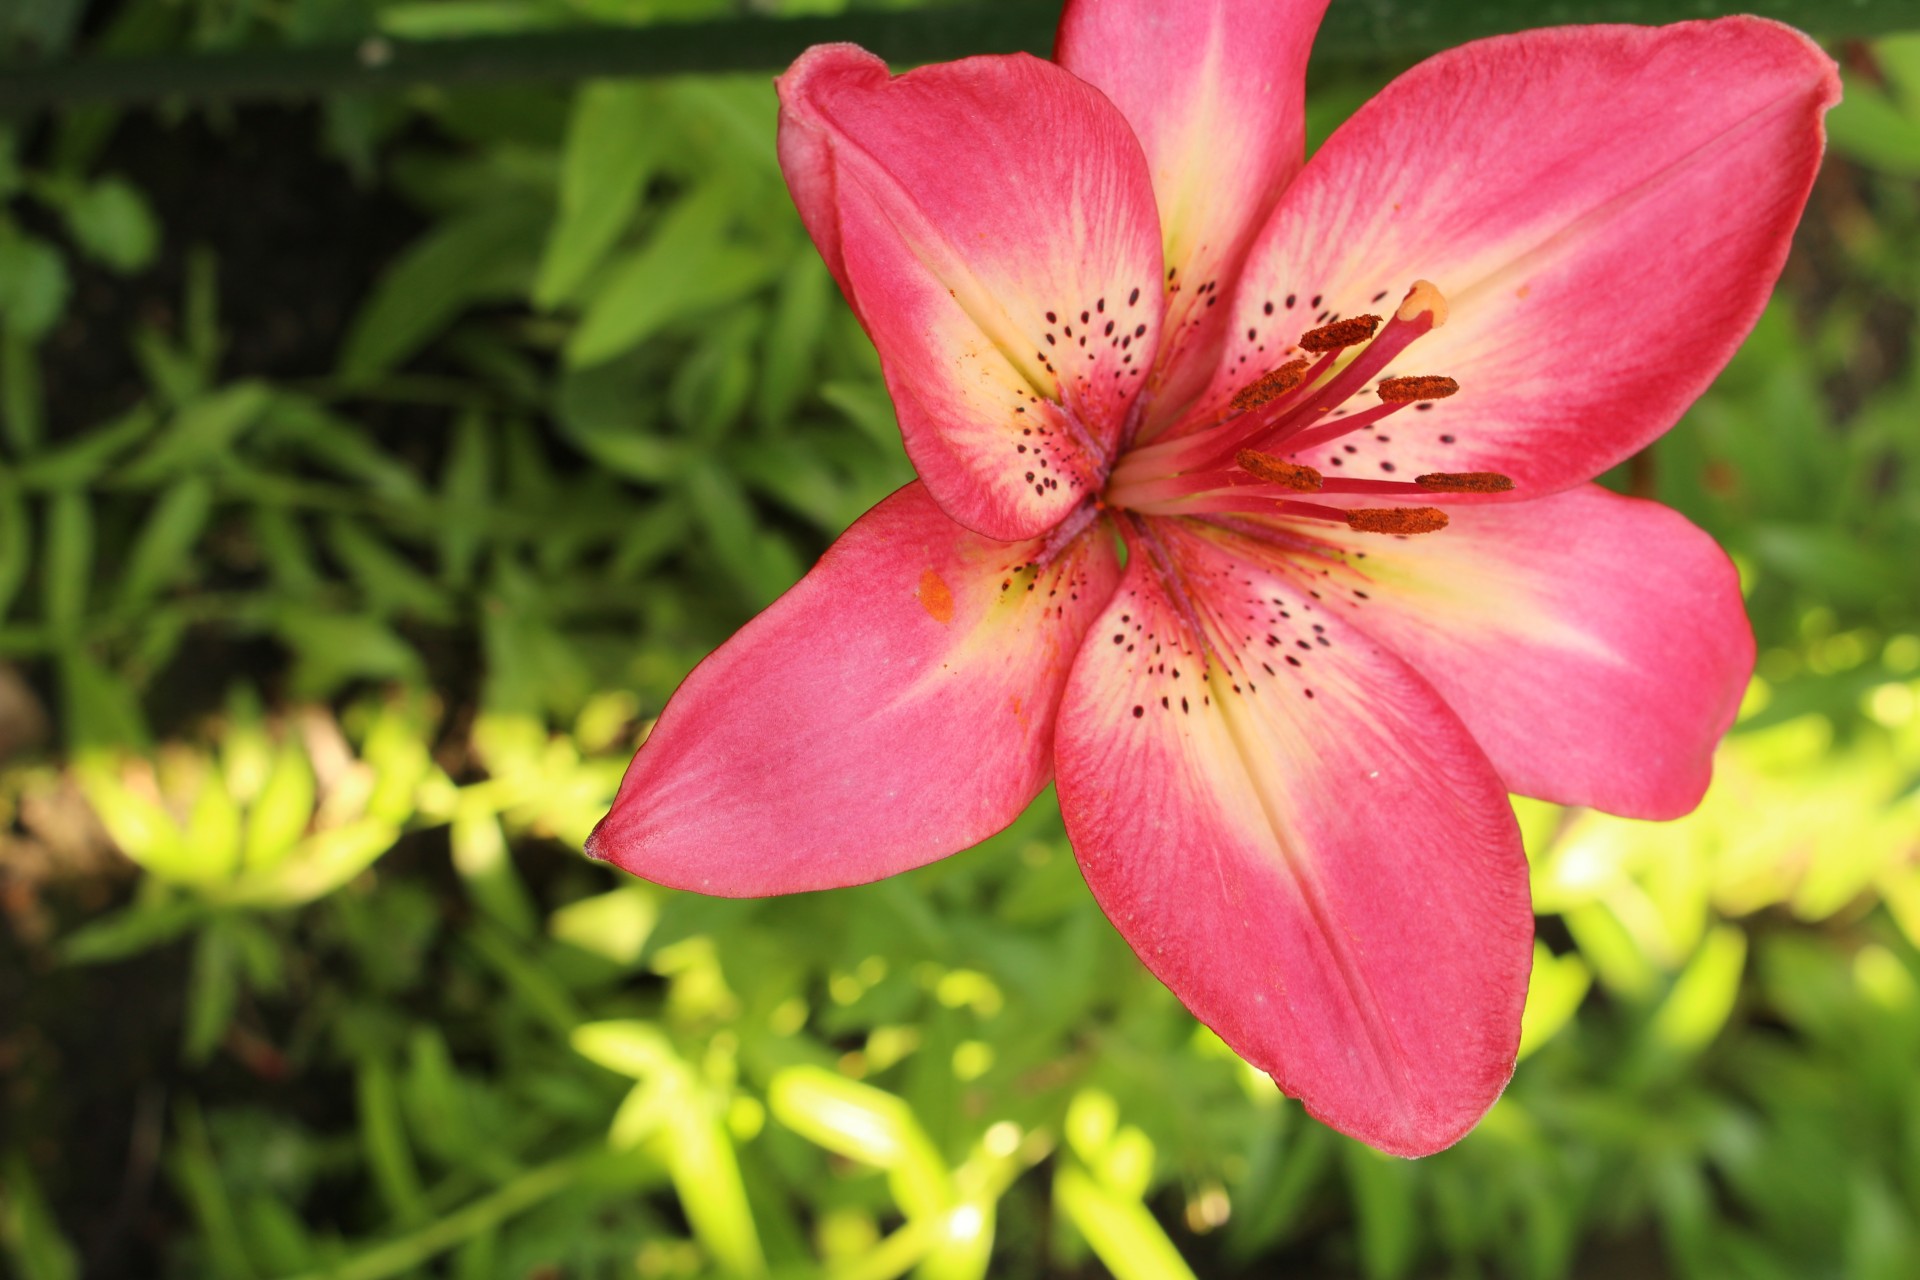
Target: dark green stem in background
{"x":1355,"y":31}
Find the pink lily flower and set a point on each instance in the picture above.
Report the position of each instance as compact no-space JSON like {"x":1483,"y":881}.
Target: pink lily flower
{"x":1203,"y":535}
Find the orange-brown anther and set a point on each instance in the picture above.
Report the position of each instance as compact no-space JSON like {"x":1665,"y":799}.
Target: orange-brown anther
{"x":1397,"y":519}
{"x":1341,"y":333}
{"x":1464,"y":482}
{"x":1269,"y":387}
{"x":1278,"y":471}
{"x":1423,"y":387}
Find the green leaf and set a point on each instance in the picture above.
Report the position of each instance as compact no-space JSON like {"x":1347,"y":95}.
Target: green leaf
{"x":391,"y":584}
{"x":127,"y":933}
{"x":602,"y":172}
{"x":383,"y":1137}
{"x":866,"y":1124}
{"x":793,"y":340}
{"x":86,"y":459}
{"x":202,"y":430}
{"x":197,"y":1175}
{"x":1383,"y":1196}
{"x":68,"y":569}
{"x":22,"y":402}
{"x":16,"y":542}
{"x":687,"y":267}
{"x":1703,"y":995}
{"x":33,"y":285}
{"x":283,"y":810}
{"x":331,"y":649}
{"x":466,"y":486}
{"x":1558,"y":985}
{"x":480,"y":856}
{"x":213,"y":991}
{"x":112,"y":224}
{"x":475,"y":257}
{"x":318,"y":865}
{"x":28,"y":1230}
{"x":447,"y":18}
{"x":1124,"y":1235}
{"x":162,"y":552}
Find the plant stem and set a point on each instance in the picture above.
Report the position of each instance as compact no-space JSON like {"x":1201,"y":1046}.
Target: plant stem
{"x":1358,"y":31}
{"x":416,"y":1248}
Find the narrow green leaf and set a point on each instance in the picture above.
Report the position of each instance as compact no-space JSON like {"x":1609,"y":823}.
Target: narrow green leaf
{"x":162,"y":551}
{"x":1121,"y":1231}
{"x":197,"y":1173}
{"x":22,"y":403}
{"x":282,"y":811}
{"x":129,"y":932}
{"x":29,"y":1232}
{"x":383,"y":1138}
{"x":866,"y":1124}
{"x":213,"y":991}
{"x":33,"y":284}
{"x":706,"y":1176}
{"x":480,"y":856}
{"x":1558,"y":985}
{"x":1703,"y":995}
{"x":110,"y":221}
{"x":392,"y":586}
{"x":88,"y":458}
{"x":685,"y":268}
{"x":477,"y":256}
{"x":1388,"y":1230}
{"x":68,"y":569}
{"x":792,"y":343}
{"x":202,"y":430}
{"x":320,"y":864}
{"x":16,"y":542}
{"x":602,"y":171}
{"x":466,"y":487}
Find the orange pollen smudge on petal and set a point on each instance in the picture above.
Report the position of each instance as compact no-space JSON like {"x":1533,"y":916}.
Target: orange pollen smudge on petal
{"x":1464,"y":482}
{"x":1341,"y":333}
{"x":1287,"y":475}
{"x":1422,"y":387}
{"x":935,"y":597}
{"x":1402,"y":520}
{"x":1269,"y":387}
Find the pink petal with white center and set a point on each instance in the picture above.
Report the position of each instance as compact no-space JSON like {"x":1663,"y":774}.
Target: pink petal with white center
{"x":1595,"y":645}
{"x":1604,"y":208}
{"x":1299,"y":838}
{"x":895,"y":706}
{"x":1216,"y":92}
{"x":992,"y":224}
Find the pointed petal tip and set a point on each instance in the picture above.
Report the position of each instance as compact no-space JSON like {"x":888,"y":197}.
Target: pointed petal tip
{"x":1410,"y":1135}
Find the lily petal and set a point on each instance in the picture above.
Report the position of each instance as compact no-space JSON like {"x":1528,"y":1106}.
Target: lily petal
{"x":1595,"y":645}
{"x":896,"y":705}
{"x":1605,"y":210}
{"x":1314,"y":855}
{"x":992,"y":223}
{"x":1216,"y":92}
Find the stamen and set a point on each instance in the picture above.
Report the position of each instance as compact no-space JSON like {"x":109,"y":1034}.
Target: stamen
{"x":1341,"y":333}
{"x":1278,"y":471}
{"x":1269,"y":387}
{"x":1464,"y":482}
{"x":1398,"y":520}
{"x":1421,"y":387}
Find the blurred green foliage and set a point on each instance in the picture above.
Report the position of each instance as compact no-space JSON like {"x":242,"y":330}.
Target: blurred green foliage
{"x":603,"y":406}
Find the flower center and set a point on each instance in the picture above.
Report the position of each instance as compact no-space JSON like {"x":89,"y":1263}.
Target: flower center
{"x":1241,"y":463}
